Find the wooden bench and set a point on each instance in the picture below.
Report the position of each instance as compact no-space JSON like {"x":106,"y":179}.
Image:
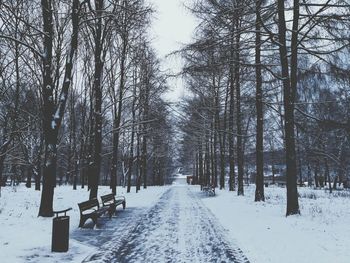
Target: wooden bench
{"x":209,"y":189}
{"x":91,"y":209}
{"x":111,"y":202}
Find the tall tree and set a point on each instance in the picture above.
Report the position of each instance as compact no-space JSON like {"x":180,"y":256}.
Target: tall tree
{"x":259,"y":192}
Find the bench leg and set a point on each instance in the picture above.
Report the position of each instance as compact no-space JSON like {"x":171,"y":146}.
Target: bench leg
{"x":94,"y":219}
{"x":82,"y":222}
{"x":124,"y":205}
{"x":111,"y":211}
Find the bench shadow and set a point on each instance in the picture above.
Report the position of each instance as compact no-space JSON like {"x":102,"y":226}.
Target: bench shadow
{"x":105,"y":229}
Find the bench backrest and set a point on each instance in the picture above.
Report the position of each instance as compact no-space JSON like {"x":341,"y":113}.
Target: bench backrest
{"x":107,"y":198}
{"x":83,"y":206}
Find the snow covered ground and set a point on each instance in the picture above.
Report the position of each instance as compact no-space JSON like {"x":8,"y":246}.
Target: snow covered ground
{"x":24,"y":237}
{"x":175,"y":223}
{"x":179,"y":228}
{"x":320,"y":234}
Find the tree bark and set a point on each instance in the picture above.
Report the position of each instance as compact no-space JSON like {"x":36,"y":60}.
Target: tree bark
{"x":53,"y":114}
{"x":95,"y":167}
{"x":131,"y":155}
{"x":240,"y":151}
{"x":259,"y":191}
{"x":230,"y":134}
{"x":289,"y":89}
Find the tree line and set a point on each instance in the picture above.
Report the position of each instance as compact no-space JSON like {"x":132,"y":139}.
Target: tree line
{"x":264,"y":76}
{"x":81,"y":98}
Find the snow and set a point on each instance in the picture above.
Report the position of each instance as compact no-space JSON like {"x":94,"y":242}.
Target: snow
{"x":320,"y":234}
{"x":24,"y":237}
{"x":63,"y":97}
{"x":184,"y":223}
{"x":178,"y":228}
{"x":53,"y":124}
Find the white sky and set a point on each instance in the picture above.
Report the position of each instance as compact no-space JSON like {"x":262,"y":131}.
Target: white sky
{"x":173,"y":27}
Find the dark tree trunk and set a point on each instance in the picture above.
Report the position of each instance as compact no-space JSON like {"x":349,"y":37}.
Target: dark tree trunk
{"x":196,"y":174}
{"x":212,"y":157}
{"x":38,"y":168}
{"x":138,"y":149}
{"x":216,"y":131}
{"x":259,"y":191}
{"x":145,"y":131}
{"x":222,"y":165}
{"x":138,"y":167}
{"x":53,"y":115}
{"x":317,"y":165}
{"x":200,"y":164}
{"x":335,"y":181}
{"x":29,"y":172}
{"x":95,"y":167}
{"x":118,"y":116}
{"x":207,"y":162}
{"x":215,"y":159}
{"x":309,"y":180}
{"x":2,"y":162}
{"x":131,"y":155}
{"x":49,"y":177}
{"x":231,"y":146}
{"x":240,"y":151}
{"x":289,"y":89}
{"x":75,"y":154}
{"x":38,"y":176}
{"x":49,"y":170}
{"x":223,"y":143}
{"x":144,"y":159}
{"x":300,"y":163}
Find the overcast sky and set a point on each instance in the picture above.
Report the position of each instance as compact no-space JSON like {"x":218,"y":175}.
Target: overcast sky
{"x":173,"y":26}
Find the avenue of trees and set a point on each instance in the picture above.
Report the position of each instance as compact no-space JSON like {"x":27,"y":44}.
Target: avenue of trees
{"x":266,"y":76}
{"x":81,"y":97}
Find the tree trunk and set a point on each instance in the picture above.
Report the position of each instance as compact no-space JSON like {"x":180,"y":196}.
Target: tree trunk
{"x":316,"y":174}
{"x":145,"y":131}
{"x":49,"y":170}
{"x":144,"y":159}
{"x":38,"y":169}
{"x":118,"y":116}
{"x":53,"y":115}
{"x":131,"y":155}
{"x":212,"y":157}
{"x":196,"y":174}
{"x":138,"y":168}
{"x":289,"y":89}
{"x":240,"y":152}
{"x":95,"y":167}
{"x":200,"y":164}
{"x":327,"y":175}
{"x":309,"y":180}
{"x":231,"y":146}
{"x":207,"y":161}
{"x":49,"y":176}
{"x":259,"y":191}
{"x":223,"y":143}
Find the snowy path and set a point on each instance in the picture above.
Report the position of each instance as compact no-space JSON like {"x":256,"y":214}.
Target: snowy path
{"x":179,"y":228}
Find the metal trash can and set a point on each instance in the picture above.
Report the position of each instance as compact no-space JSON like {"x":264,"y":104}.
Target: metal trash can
{"x":60,"y":232}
